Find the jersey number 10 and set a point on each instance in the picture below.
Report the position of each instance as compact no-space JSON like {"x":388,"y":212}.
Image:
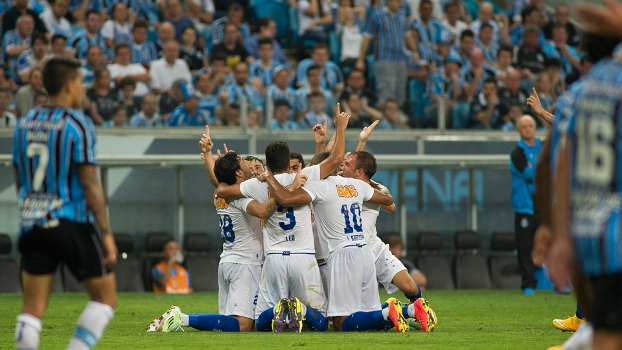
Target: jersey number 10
{"x":355,"y":209}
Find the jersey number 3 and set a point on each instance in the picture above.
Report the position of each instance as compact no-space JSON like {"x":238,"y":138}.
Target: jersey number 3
{"x":290,"y":216}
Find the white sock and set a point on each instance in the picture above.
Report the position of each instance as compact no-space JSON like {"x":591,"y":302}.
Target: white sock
{"x":385,"y":313}
{"x":90,"y":326}
{"x":411,"y":310}
{"x":27,"y":332}
{"x":184,"y":319}
{"x":303,"y":309}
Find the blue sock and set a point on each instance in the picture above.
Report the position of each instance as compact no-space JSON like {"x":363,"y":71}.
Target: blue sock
{"x":363,"y":321}
{"x":263,"y":323}
{"x":315,"y":320}
{"x":213,"y":322}
{"x":579,"y":312}
{"x":412,"y":298}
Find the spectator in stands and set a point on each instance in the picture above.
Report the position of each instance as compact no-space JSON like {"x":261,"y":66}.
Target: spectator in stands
{"x":41,"y":98}
{"x":26,"y":94}
{"x":529,"y":57}
{"x":94,"y":61}
{"x":207,"y":102}
{"x":391,"y":116}
{"x":195,"y":57}
{"x":472,"y":75}
{"x":356,"y":84}
{"x":143,"y":51}
{"x":472,"y":7}
{"x":148,"y":117}
{"x":189,"y":114}
{"x":444,"y":85}
{"x":59,"y":42}
{"x":430,"y":31}
{"x":389,"y":51}
{"x":168,"y":69}
{"x":16,"y":41}
{"x":351,"y":21}
{"x":514,"y":113}
{"x":281,"y":90}
{"x":312,"y":16}
{"x":118,"y":118}
{"x":486,"y":44}
{"x":499,"y":30}
{"x":262,"y":70}
{"x":36,"y":56}
{"x":316,"y":113}
{"x":396,"y":246}
{"x":203,"y":10}
{"x":232,"y":48}
{"x":542,"y":84}
{"x":123,"y":68}
{"x":166,"y":33}
{"x":267,"y":30}
{"x":169,"y":276}
{"x":463,"y":51}
{"x":127,"y":88}
{"x":562,"y":14}
{"x":361,"y":115}
{"x":314,"y":81}
{"x":20,"y":7}
{"x":78,"y":10}
{"x":452,"y":22}
{"x":282,"y":121}
{"x":513,"y":94}
{"x":235,"y":16}
{"x":202,"y":84}
{"x":503,"y":64}
{"x":80,"y":42}
{"x":558,"y":48}
{"x":552,"y":68}
{"x":218,"y":76}
{"x":234,"y":92}
{"x":531,"y":18}
{"x":103,"y":98}
{"x":331,"y":77}
{"x":232,"y":117}
{"x":171,"y":99}
{"x":523,"y":161}
{"x":7,"y":119}
{"x":173,"y":15}
{"x":485,"y":109}
{"x":54,"y":18}
{"x":118,"y":29}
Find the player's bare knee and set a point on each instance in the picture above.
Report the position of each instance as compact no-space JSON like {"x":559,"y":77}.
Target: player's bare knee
{"x":246,"y":324}
{"x":338,"y":322}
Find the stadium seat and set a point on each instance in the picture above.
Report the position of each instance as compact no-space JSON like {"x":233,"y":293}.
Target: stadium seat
{"x":436,"y":267}
{"x":202,"y":268}
{"x":503,"y":263}
{"x":154,"y":241}
{"x":470,"y":268}
{"x":9,"y":272}
{"x":278,"y":11}
{"x":127,"y":268}
{"x":334,"y":48}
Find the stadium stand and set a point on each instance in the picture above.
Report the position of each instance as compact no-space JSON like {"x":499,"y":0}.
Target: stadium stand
{"x":154,"y":241}
{"x":502,"y":262}
{"x":470,"y":267}
{"x":432,"y":263}
{"x":9,"y":273}
{"x":128,"y":267}
{"x":203,"y":268}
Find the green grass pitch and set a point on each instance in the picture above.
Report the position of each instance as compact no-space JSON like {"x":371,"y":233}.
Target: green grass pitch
{"x":474,"y":319}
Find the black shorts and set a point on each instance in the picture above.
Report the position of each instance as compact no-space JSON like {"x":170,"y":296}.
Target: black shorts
{"x":607,"y":310}
{"x":76,"y":245}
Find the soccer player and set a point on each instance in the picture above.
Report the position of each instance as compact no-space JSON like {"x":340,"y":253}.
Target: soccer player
{"x":296,"y":163}
{"x":60,"y":198}
{"x":290,"y":285}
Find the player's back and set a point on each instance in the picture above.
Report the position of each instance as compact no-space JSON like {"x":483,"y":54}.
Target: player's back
{"x":48,"y":145}
{"x":337,"y":202}
{"x":596,"y":176}
{"x":241,"y":232}
{"x":369,"y":213}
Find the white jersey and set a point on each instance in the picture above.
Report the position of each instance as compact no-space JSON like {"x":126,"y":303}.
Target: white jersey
{"x":321,"y":245}
{"x":240,"y":231}
{"x":337,"y":203}
{"x":289,"y":228}
{"x":370,"y":212}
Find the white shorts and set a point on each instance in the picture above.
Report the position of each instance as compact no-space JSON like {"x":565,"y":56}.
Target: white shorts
{"x":286,"y":276}
{"x":352,"y":284}
{"x":387,"y":266}
{"x":237,"y":289}
{"x":323,"y":274}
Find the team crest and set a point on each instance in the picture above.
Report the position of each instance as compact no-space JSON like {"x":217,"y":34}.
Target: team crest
{"x":348,"y":191}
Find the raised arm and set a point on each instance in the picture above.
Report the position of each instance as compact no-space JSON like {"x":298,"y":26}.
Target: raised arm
{"x":285,"y":197}
{"x":262,"y":210}
{"x":364,"y":135}
{"x":319,"y":133}
{"x":206,"y":145}
{"x":381,"y":198}
{"x":336,"y":154}
{"x":536,"y":106}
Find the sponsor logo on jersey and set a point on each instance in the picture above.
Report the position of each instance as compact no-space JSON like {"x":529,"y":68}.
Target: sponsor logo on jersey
{"x":221,"y":203}
{"x":348,"y":191}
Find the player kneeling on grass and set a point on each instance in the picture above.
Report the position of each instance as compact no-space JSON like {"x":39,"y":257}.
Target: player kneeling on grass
{"x":60,"y":197}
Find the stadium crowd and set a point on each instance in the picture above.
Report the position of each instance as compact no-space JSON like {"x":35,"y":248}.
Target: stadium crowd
{"x":189,"y":63}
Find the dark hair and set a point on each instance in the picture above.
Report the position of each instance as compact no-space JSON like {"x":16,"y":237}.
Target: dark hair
{"x":99,"y":72}
{"x":264,"y":22}
{"x":116,"y":109}
{"x":229,"y":24}
{"x":191,"y":28}
{"x":226,"y":167}
{"x":355,"y":70}
{"x":598,"y":47}
{"x":57,"y":72}
{"x":451,"y":4}
{"x":58,"y":36}
{"x":315,"y":94}
{"x":140,"y":24}
{"x":506,"y":48}
{"x":313,"y":67}
{"x":234,"y":106}
{"x":485,"y":25}
{"x":393,"y":240}
{"x":252,"y":158}
{"x":93,"y":46}
{"x":281,"y":102}
{"x":264,"y":41}
{"x":527,"y":11}
{"x":277,"y":156}
{"x":40,"y":93}
{"x":423,"y":2}
{"x":365,"y":161}
{"x":296,"y":155}
{"x":218,"y":56}
{"x":235,"y":7}
{"x":319,"y":158}
{"x":91,"y":12}
{"x":491,"y":81}
{"x":39,"y":37}
{"x":512,"y":105}
{"x":127,"y":81}
{"x":319,"y":46}
{"x":121,"y":46}
{"x":167,"y":242}
{"x":467,"y":33}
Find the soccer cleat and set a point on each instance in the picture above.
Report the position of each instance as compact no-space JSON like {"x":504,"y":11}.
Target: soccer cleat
{"x":568,"y":325}
{"x":279,"y":321}
{"x":295,"y":315}
{"x":395,"y":315}
{"x":425,"y":315}
{"x":155,"y":325}
{"x":172,"y":323}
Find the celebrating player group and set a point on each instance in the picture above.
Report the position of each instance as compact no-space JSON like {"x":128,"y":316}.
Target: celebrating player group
{"x":300,"y":245}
